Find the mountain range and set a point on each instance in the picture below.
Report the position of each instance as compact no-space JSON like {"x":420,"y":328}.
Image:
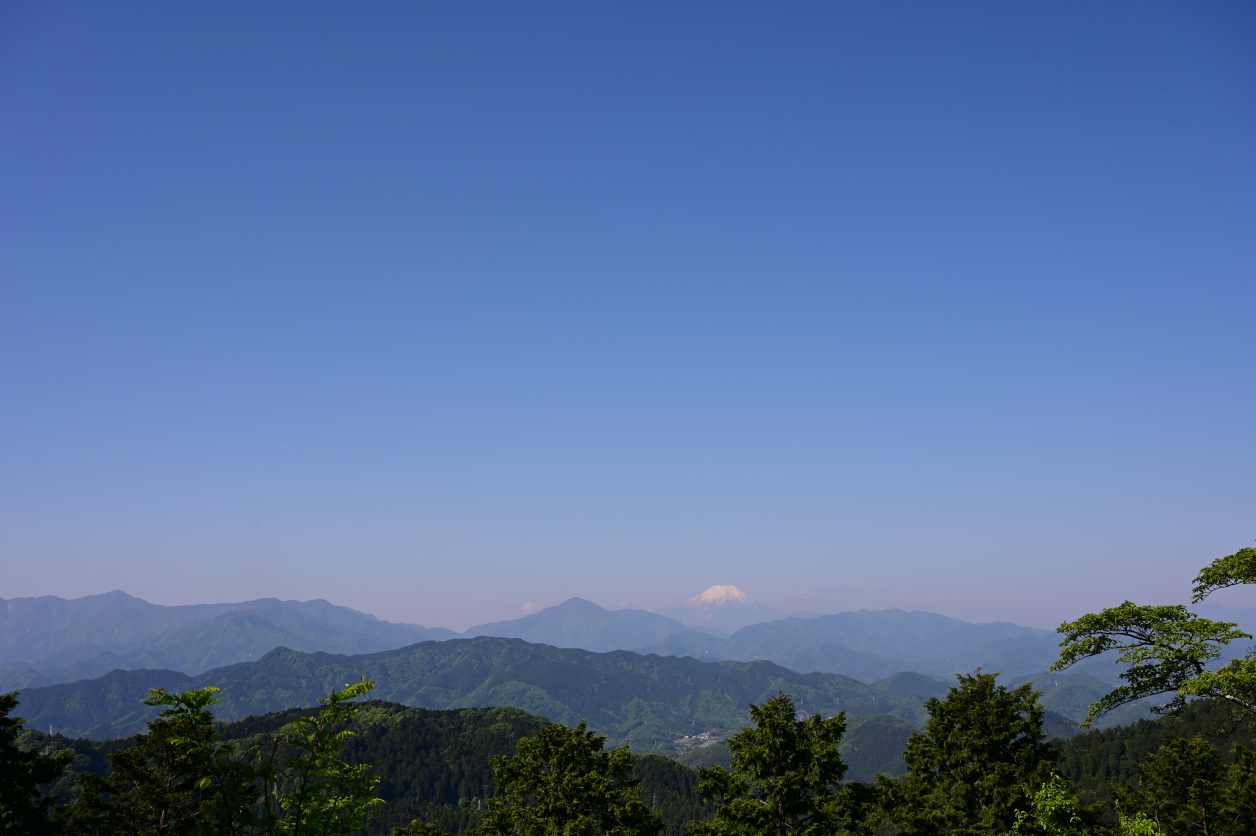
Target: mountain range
{"x":647,"y":701}
{"x":46,"y":641}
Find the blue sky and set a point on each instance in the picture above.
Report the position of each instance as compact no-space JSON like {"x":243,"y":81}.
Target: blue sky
{"x":433,"y":310}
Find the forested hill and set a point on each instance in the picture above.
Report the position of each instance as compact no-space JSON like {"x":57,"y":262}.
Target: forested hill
{"x":1096,"y":761}
{"x":647,"y":701}
{"x":434,"y":765}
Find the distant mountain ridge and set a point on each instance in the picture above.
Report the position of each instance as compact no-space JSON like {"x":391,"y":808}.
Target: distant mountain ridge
{"x":647,"y":701}
{"x":50,"y":640}
{"x":580,"y":623}
{"x":47,"y":640}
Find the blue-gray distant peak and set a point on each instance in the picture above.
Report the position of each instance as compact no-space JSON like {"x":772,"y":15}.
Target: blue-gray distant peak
{"x":48,"y":639}
{"x":580,"y":623}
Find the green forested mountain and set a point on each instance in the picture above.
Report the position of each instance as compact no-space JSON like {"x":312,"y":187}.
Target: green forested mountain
{"x":580,"y":623}
{"x":647,"y":701}
{"x":48,"y":640}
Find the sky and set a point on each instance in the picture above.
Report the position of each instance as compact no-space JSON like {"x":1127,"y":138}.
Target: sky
{"x":439,"y":311}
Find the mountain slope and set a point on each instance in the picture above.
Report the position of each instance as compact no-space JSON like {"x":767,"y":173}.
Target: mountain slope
{"x":48,"y":640}
{"x":647,"y":701}
{"x":580,"y":623}
{"x":934,"y":641}
{"x":1071,"y":694}
{"x":723,"y":609}
{"x":872,"y":644}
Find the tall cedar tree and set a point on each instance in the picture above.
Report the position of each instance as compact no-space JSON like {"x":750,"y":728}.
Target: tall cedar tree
{"x":786,"y":777}
{"x":563,"y":783}
{"x":24,"y":809}
{"x":977,"y":764}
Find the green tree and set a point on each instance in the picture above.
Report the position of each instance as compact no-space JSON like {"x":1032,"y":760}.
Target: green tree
{"x":786,"y":777}
{"x":1054,"y":811}
{"x":418,"y":827}
{"x":1138,"y":825}
{"x":1167,"y":649}
{"x":1182,"y":788}
{"x":562,"y":782}
{"x":155,"y":787}
{"x":976,"y":765}
{"x":319,"y":793}
{"x":24,"y":808}
{"x":181,"y":779}
{"x":1241,"y":798}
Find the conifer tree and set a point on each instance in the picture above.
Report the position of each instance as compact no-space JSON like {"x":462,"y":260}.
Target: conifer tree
{"x":976,"y":766}
{"x":563,"y":783}
{"x":786,"y":777}
{"x":24,"y":809}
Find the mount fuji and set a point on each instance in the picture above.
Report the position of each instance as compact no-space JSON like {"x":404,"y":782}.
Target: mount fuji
{"x":723,"y":609}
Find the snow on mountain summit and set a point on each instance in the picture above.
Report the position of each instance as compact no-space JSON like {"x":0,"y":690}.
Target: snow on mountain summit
{"x":723,"y":609}
{"x":719,"y":596}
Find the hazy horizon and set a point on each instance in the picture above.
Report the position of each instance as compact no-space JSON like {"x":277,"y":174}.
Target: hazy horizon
{"x":1244,"y":613}
{"x":442,"y":312}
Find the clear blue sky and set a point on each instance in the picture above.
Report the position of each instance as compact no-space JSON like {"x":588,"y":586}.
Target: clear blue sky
{"x":432,"y":310}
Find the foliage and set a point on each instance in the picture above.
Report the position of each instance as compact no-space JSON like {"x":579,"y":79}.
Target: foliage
{"x":323,"y":795}
{"x":24,"y":807}
{"x":786,"y":776}
{"x":1098,"y":761}
{"x":670,"y":789}
{"x":157,"y":785}
{"x":1138,"y":825}
{"x":183,"y":778}
{"x":1231,"y":570}
{"x":1185,"y":789}
{"x":1164,"y":647}
{"x":1167,"y":649}
{"x":1054,"y":811}
{"x":418,"y":827}
{"x":562,"y":782}
{"x":976,"y":764}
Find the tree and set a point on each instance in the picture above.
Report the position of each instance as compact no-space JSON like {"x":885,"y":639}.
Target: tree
{"x":976,"y":765}
{"x":155,"y":787}
{"x":786,"y":777}
{"x":1138,"y":825}
{"x":181,"y":779}
{"x":320,"y":794}
{"x":562,"y":782}
{"x":1182,"y":788}
{"x":24,"y":809}
{"x":1167,"y":649}
{"x":1054,"y":811}
{"x":418,"y":827}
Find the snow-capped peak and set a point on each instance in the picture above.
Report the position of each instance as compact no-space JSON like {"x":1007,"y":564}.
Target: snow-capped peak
{"x":720,"y":595}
